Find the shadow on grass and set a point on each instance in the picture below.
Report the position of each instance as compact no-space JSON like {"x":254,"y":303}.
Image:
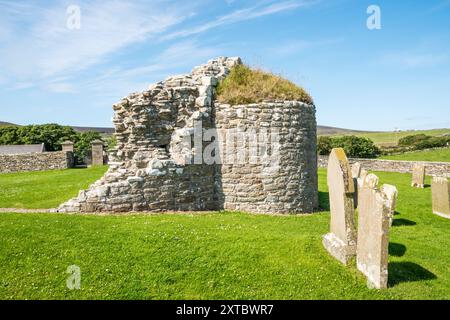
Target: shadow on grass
{"x":407,"y":272}
{"x":403,"y":222}
{"x":324,"y":201}
{"x":396,"y":249}
{"x":396,"y":213}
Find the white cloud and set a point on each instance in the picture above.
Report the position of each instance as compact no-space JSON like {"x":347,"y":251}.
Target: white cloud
{"x":43,"y":47}
{"x":239,"y":15}
{"x":38,"y":50}
{"x":60,"y":87}
{"x":441,"y":5}
{"x":414,"y":60}
{"x":179,"y":55}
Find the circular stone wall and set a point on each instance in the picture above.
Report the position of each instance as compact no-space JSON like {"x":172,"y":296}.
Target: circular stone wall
{"x":285,"y":181}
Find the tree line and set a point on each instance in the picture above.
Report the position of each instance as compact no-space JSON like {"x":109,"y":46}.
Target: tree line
{"x":52,"y":136}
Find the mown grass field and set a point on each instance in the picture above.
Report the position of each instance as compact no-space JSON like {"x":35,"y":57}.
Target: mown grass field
{"x":45,"y":189}
{"x":218,"y":255}
{"x":390,"y":138}
{"x":439,"y":155}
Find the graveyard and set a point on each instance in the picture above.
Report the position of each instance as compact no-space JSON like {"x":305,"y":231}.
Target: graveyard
{"x":215,"y":255}
{"x":257,"y":156}
{"x":216,"y":189}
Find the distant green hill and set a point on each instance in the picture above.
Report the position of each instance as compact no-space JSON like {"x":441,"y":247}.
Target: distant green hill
{"x":102,"y":130}
{"x":439,"y":155}
{"x":4,"y":124}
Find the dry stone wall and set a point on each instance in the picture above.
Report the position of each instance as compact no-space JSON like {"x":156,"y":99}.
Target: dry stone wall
{"x":431,"y":168}
{"x":159,"y":163}
{"x":36,"y":161}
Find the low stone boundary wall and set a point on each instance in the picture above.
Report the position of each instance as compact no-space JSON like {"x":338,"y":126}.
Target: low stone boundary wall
{"x":36,"y":161}
{"x":431,"y":168}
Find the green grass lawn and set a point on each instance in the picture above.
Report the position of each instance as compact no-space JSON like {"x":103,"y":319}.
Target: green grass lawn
{"x":390,"y":138}
{"x":217,"y":255}
{"x":440,"y":155}
{"x":45,"y":189}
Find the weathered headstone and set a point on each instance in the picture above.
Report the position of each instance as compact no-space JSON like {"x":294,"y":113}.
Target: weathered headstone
{"x":358,"y":184}
{"x":391,"y":193}
{"x":440,"y":190}
{"x":373,"y":234}
{"x":418,"y":175}
{"x":67,"y":146}
{"x":97,"y":153}
{"x":356,"y":172}
{"x":341,"y":241}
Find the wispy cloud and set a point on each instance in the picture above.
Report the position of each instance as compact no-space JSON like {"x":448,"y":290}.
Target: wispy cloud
{"x":441,"y":5}
{"x":61,"y":87}
{"x":238,"y":16}
{"x":44,"y":48}
{"x":176,"y":56}
{"x":414,"y":60}
{"x":37,"y":49}
{"x":296,"y":46}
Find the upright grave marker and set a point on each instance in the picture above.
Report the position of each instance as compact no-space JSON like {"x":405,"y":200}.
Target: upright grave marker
{"x":440,"y":190}
{"x":418,"y":176}
{"x":373,"y":233}
{"x":391,"y":193}
{"x":356,"y":173}
{"x":341,"y":241}
{"x":356,"y":170}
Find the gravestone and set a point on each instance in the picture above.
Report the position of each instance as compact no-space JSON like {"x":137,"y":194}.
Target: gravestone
{"x":97,"y":153}
{"x":356,"y":172}
{"x":373,"y":234}
{"x":391,"y":193}
{"x":341,"y":241}
{"x":440,"y":191}
{"x":418,"y":175}
{"x":67,"y":146}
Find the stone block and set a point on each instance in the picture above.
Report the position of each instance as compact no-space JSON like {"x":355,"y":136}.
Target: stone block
{"x":440,"y":190}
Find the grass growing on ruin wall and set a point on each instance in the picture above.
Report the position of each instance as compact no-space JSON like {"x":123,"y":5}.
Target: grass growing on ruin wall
{"x":219,"y":255}
{"x":245,"y":85}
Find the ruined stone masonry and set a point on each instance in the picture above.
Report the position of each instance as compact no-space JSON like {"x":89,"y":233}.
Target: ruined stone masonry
{"x":159,"y":164}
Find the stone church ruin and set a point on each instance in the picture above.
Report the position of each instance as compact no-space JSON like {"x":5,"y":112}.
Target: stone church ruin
{"x":179,"y":149}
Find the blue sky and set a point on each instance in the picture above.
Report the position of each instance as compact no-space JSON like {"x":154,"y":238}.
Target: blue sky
{"x":395,"y":77}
